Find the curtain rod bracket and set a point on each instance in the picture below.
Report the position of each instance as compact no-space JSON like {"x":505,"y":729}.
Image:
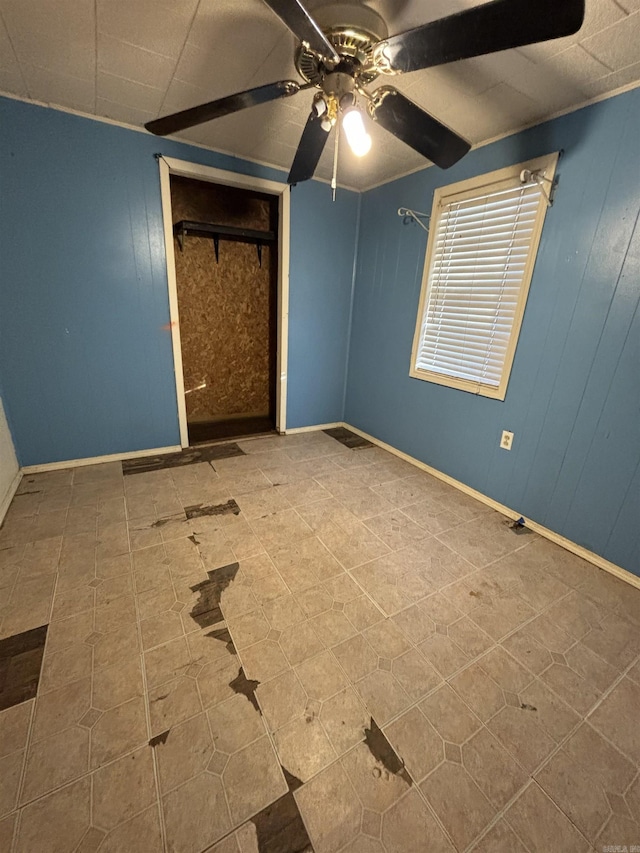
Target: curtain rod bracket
{"x":538,"y":177}
{"x":407,"y":213}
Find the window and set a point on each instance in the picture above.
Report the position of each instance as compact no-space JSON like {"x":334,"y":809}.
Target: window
{"x":483,"y":240}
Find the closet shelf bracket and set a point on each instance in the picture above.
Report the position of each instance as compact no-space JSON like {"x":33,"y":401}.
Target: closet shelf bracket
{"x":186,"y":227}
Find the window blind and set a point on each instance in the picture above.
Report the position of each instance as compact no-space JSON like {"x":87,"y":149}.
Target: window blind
{"x":479,"y":261}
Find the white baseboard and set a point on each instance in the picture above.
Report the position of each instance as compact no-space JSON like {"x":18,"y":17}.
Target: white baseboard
{"x":96,"y":460}
{"x":6,"y":500}
{"x":314,"y":428}
{"x":587,"y":555}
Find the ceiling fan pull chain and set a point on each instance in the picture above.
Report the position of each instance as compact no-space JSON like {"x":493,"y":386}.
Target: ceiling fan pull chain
{"x":334,"y":179}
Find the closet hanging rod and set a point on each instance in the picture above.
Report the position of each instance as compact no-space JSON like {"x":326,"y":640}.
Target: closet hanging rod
{"x":414,"y":214}
{"x":185,"y":227}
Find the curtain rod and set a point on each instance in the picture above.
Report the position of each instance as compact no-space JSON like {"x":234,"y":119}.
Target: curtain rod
{"x":414,"y":214}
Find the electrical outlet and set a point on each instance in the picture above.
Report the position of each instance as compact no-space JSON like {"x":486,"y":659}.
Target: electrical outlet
{"x":507,"y":439}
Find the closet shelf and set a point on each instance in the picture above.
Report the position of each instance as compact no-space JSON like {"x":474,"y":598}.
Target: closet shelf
{"x":186,"y":227}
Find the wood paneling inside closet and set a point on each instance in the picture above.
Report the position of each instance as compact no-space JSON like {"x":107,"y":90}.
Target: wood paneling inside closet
{"x":227,"y":309}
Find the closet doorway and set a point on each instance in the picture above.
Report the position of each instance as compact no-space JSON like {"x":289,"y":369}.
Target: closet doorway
{"x":228,"y":255}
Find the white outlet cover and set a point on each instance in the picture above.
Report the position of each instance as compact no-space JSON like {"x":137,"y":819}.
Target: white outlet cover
{"x":507,"y":440}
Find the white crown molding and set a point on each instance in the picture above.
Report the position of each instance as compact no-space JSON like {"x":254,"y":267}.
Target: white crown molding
{"x":104,"y":120}
{"x":628,"y":87}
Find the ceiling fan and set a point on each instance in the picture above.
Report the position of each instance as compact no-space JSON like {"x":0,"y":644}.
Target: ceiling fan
{"x":346,"y":47}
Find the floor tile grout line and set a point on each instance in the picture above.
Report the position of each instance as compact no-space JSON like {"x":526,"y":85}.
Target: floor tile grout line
{"x":501,"y":640}
{"x":534,"y":782}
{"x":9,"y":597}
{"x":27,"y":749}
{"x":84,"y":775}
{"x":19,"y":806}
{"x":91,"y":790}
{"x":585,"y":718}
{"x":145,"y":700}
{"x":349,"y":685}
{"x":496,"y":643}
{"x":500,"y":816}
{"x":576,"y":641}
{"x":559,"y":745}
{"x":267,"y":732}
{"x":88,"y":773}
{"x":358,"y":565}
{"x":524,"y":624}
{"x":529,"y":775}
{"x":440,"y":590}
{"x":205,"y":710}
{"x":213,"y":743}
{"x":91,"y":688}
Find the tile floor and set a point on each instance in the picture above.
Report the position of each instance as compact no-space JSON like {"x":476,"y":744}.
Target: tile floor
{"x":335,"y":652}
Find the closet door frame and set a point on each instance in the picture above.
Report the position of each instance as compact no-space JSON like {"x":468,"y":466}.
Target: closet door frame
{"x":186,"y":169}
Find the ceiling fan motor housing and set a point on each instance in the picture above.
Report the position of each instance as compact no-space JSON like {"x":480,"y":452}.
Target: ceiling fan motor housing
{"x":353,"y":30}
{"x":338,"y":84}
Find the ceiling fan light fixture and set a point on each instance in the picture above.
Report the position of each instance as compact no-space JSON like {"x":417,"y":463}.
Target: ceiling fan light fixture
{"x":357,"y":137}
{"x":319,"y":106}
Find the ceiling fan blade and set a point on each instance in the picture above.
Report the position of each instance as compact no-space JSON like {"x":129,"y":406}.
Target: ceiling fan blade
{"x":418,"y":129}
{"x":293,"y":14}
{"x":222,"y":107}
{"x":310,"y":148}
{"x":498,"y":25}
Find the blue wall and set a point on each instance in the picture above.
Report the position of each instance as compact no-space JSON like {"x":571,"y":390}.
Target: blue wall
{"x":323,"y":241}
{"x":87,"y":367}
{"x":574,"y":396}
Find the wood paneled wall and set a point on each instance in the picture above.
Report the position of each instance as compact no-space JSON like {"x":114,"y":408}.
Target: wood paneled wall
{"x":573,"y":400}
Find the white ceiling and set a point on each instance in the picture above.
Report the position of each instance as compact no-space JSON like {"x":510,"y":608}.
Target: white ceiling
{"x":133,"y":60}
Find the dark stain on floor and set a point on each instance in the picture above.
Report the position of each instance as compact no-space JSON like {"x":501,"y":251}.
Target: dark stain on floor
{"x":526,"y":707}
{"x":20,"y":666}
{"x":279,"y":828}
{"x":224,"y":636}
{"x":200,"y":510}
{"x":383,"y":752}
{"x":160,"y":698}
{"x":348,"y":438}
{"x":162,"y":521}
{"x":206,"y":611}
{"x":247,"y":687}
{"x":188,"y":456}
{"x":161,"y":738}
{"x":292,"y":781}
{"x":518,"y":526}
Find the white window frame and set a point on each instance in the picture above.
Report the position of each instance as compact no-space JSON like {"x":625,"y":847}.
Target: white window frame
{"x":502,"y":178}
